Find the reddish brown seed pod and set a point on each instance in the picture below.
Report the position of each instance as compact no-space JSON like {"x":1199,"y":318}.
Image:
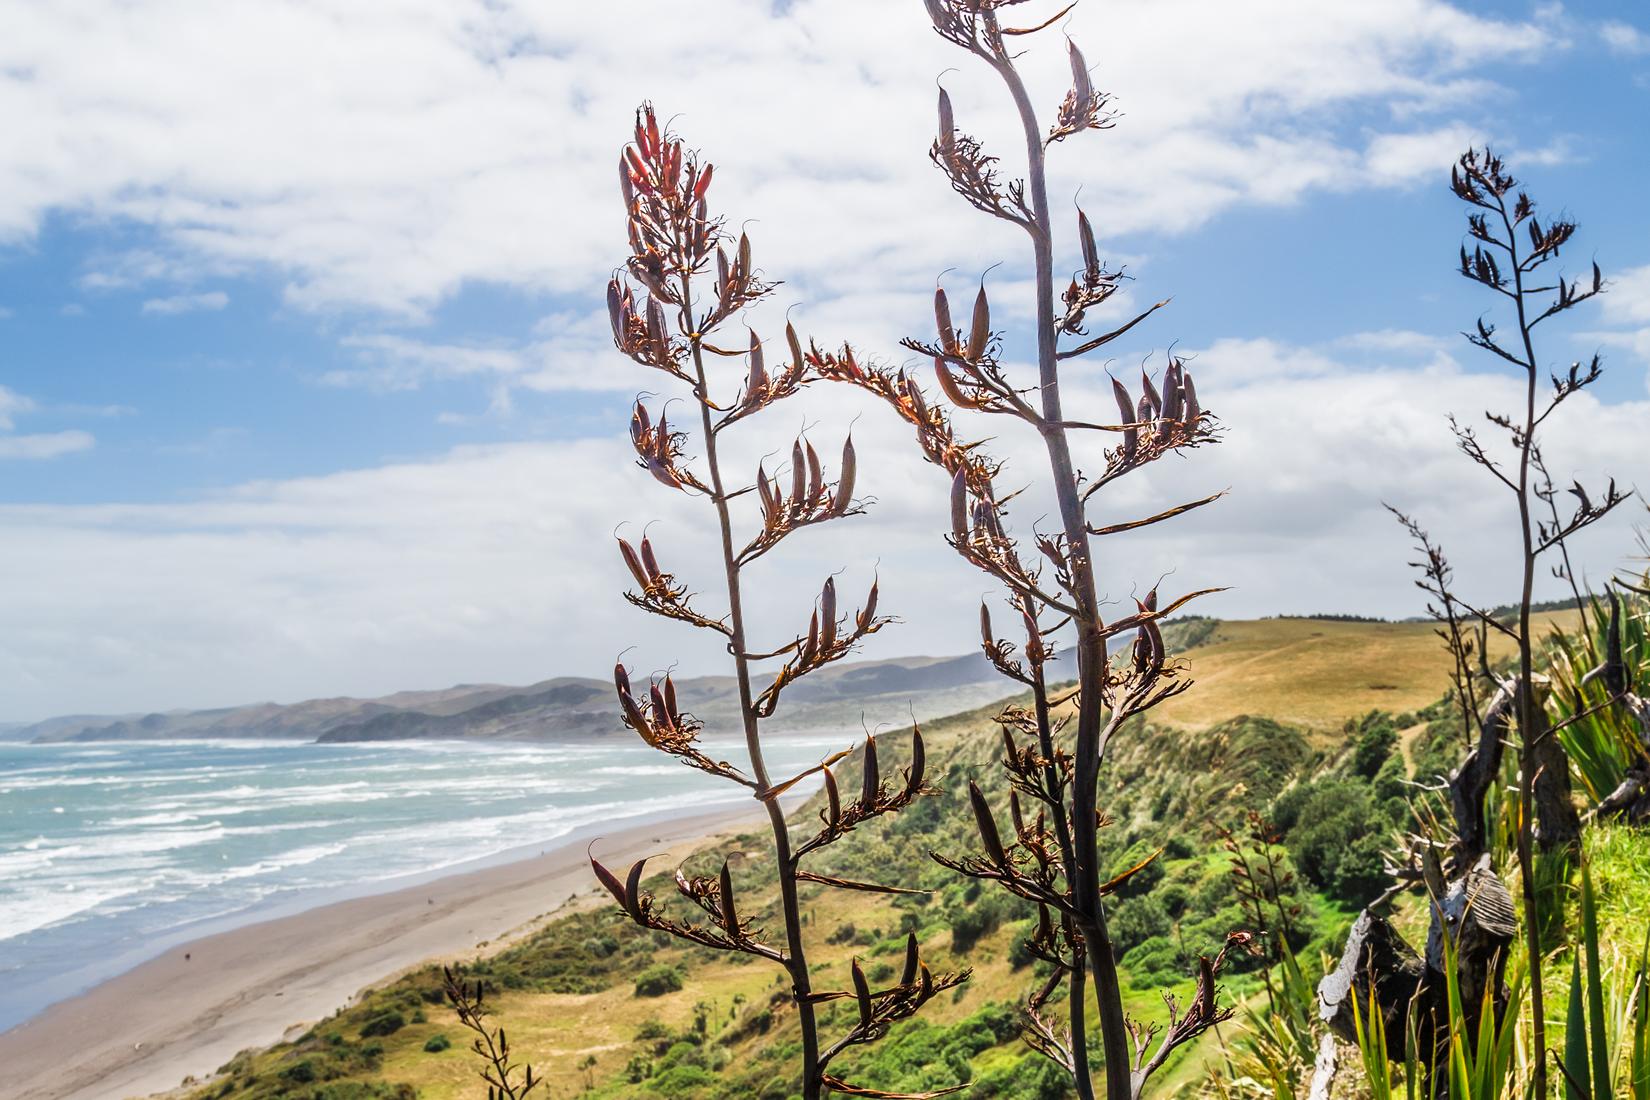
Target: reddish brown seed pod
{"x":833,"y":800}
{"x":703,"y":183}
{"x":650,"y":564}
{"x":1149,"y":394}
{"x":868,"y":614}
{"x":770,"y":502}
{"x":1194,"y":411}
{"x":919,"y":763}
{"x":609,"y":880}
{"x":670,"y":698}
{"x":942,"y":321}
{"x":799,"y":476}
{"x":1091,"y":254}
{"x":871,"y":782}
{"x":843,"y":498}
{"x":979,"y":332}
{"x":756,"y":385}
{"x":625,"y":187}
{"x":987,"y":824}
{"x":959,"y":505}
{"x":795,"y":342}
{"x":909,"y":974}
{"x":816,"y":477}
{"x":948,"y":126}
{"x":615,"y":311}
{"x":948,"y":386}
{"x":633,"y":891}
{"x":827,"y":615}
{"x":633,"y":563}
{"x":987,"y":638}
{"x":862,"y":993}
{"x":730,"y":916}
{"x":744,"y":259}
{"x":810,"y":646}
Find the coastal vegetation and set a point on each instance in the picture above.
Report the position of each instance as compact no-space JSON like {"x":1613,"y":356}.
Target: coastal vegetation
{"x":1361,"y":859}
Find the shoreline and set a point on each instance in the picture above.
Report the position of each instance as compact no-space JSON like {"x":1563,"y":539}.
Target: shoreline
{"x":197,"y":1004}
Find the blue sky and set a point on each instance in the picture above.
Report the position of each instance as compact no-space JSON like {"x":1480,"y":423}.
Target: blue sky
{"x":305,"y":387}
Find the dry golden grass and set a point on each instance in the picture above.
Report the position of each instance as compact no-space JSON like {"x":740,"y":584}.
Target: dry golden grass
{"x":1316,"y":673}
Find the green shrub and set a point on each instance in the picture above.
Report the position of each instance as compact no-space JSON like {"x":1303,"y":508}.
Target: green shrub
{"x":387,"y":1023}
{"x":658,"y":980}
{"x":435,"y":1044}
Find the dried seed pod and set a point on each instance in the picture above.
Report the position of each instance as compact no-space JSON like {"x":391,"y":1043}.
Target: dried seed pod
{"x":872,"y":783}
{"x":1011,"y":751}
{"x":987,"y":638}
{"x":959,"y":505}
{"x":799,"y":476}
{"x":650,"y":564}
{"x":986,"y":824}
{"x":756,"y":383}
{"x":1153,"y":400}
{"x":833,"y":800}
{"x":615,"y":310}
{"x":909,"y":974}
{"x":609,"y":880}
{"x":948,"y":386}
{"x":1193,"y":412}
{"x":827,"y":615}
{"x":661,"y":713}
{"x":765,"y":493}
{"x":868,"y":614}
{"x":1015,"y":814}
{"x":844,"y":495}
{"x":979,"y":332}
{"x":626,"y":189}
{"x":670,"y":698}
{"x":730,"y":917}
{"x":1081,"y":86}
{"x":744,"y":260}
{"x":810,"y":647}
{"x":942,"y":321}
{"x":633,"y":891}
{"x":862,"y":993}
{"x":795,"y":342}
{"x":948,"y":127}
{"x":816,"y":477}
{"x":919,"y":764}
{"x":925,"y":983}
{"x":702,"y":184}
{"x":1091,"y":254}
{"x":633,"y":562}
{"x":724,"y":275}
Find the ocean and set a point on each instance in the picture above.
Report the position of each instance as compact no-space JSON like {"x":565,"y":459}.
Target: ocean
{"x":111,"y":852}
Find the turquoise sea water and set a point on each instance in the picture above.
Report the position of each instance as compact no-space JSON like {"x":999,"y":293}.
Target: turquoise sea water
{"x":111,"y":852}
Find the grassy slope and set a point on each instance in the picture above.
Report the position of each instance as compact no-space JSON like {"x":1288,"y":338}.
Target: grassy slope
{"x":1314,"y":674}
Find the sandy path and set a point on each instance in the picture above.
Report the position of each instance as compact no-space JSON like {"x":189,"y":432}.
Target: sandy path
{"x":146,"y":1030}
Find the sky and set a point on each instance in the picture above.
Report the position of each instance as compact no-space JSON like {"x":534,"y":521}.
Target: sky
{"x":306,"y":386}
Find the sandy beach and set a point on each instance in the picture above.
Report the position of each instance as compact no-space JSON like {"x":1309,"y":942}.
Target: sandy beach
{"x":193,"y":1008}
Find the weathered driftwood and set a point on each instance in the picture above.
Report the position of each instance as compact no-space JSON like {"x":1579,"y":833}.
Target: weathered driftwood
{"x":1376,"y":957}
{"x":1470,"y":784}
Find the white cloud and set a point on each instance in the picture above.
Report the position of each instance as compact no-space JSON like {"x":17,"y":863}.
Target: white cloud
{"x":434,"y":143}
{"x":44,"y":445}
{"x":186,"y":303}
{"x":11,"y":404}
{"x":1624,"y":38}
{"x":497,"y":562}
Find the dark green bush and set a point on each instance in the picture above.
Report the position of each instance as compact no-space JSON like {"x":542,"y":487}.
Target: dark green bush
{"x":656,"y":981}
{"x":435,"y":1044}
{"x":387,"y":1023}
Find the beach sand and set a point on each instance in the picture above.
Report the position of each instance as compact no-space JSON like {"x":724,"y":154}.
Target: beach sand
{"x":193,"y":1008}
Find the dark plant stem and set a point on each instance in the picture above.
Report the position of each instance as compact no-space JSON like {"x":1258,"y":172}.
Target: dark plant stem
{"x":1091,"y":643}
{"x":796,"y":959}
{"x":1526,"y":687}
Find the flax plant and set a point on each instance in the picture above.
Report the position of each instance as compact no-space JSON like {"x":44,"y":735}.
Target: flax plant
{"x":693,"y":279}
{"x":1052,"y":854}
{"x":1508,"y":253}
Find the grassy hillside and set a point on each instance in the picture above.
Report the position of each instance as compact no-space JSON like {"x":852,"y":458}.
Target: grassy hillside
{"x":1279,"y":723}
{"x":1317,"y":673}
